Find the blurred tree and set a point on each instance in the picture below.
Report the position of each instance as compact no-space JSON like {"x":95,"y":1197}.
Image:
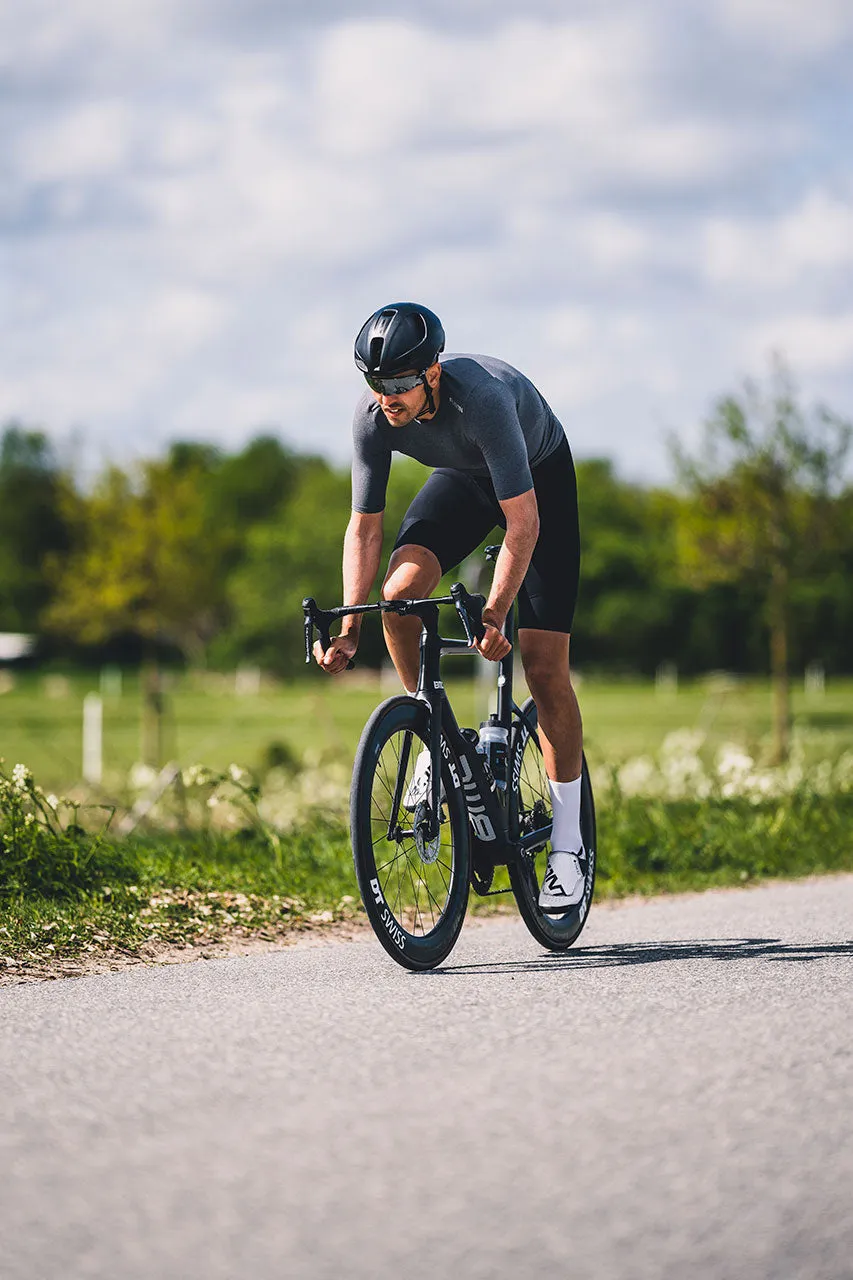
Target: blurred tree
{"x":626,"y":603}
{"x":247,"y":488}
{"x":761,"y":507}
{"x":147,"y":558}
{"x":298,"y":553}
{"x":32,"y":524}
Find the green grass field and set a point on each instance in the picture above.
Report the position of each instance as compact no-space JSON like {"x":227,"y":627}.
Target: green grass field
{"x":197,"y":887}
{"x":208,"y":723}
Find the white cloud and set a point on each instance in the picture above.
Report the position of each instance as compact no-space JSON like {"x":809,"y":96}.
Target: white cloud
{"x":92,"y":140}
{"x":200,"y":207}
{"x":773,"y":253}
{"x":811,"y":344}
{"x":797,"y":29}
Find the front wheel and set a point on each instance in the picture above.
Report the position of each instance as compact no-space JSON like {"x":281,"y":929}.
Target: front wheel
{"x":531,"y":797}
{"x":413,"y":883}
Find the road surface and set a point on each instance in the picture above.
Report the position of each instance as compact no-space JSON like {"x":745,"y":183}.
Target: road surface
{"x":672,"y":1098}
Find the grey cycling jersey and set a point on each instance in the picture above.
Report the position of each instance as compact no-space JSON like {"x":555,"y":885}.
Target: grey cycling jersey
{"x":491,"y":420}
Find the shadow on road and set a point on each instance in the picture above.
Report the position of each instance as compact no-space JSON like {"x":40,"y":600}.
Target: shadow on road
{"x":624,"y":953}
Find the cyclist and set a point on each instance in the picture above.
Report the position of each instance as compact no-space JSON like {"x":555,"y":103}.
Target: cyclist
{"x":500,"y":457}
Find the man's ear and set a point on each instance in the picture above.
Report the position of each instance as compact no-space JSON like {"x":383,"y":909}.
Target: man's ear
{"x":433,"y":375}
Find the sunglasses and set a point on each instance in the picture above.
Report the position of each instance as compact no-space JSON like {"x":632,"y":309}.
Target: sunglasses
{"x":394,"y":386}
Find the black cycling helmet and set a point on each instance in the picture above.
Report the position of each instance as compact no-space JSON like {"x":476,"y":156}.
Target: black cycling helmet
{"x":403,"y":336}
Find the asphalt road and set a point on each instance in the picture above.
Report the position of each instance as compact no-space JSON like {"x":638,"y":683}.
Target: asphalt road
{"x":672,"y":1098}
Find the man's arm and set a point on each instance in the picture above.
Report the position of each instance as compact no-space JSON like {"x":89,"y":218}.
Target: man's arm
{"x":522,"y":531}
{"x":362,"y":556}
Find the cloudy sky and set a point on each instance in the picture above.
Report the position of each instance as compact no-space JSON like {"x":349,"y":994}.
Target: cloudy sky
{"x":635,"y":203}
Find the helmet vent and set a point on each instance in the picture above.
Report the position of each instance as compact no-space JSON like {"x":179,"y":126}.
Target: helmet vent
{"x":376,"y":345}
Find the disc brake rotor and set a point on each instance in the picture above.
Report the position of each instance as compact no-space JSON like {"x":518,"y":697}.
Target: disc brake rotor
{"x":428,"y":850}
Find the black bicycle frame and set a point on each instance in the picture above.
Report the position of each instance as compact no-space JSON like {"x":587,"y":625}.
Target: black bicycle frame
{"x":491,"y":820}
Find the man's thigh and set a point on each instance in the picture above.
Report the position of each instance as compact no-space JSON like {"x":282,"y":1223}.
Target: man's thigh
{"x":546,"y":601}
{"x":450,"y":516}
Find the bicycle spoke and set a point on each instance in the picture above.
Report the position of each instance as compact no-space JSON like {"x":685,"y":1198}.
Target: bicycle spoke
{"x":432,"y":898}
{"x":399,"y":854}
{"x":415,"y":892}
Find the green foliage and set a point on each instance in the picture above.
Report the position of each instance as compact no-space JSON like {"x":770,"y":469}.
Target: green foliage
{"x":651,"y":845}
{"x":761,"y":487}
{"x":183,"y":891}
{"x":210,"y":552}
{"x":147,"y":558}
{"x":628,"y":590}
{"x":298,"y":553}
{"x":31,"y":524}
{"x":761,"y":507}
{"x":43,"y":848}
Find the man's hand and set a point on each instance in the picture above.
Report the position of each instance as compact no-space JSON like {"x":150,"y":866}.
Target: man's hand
{"x":337,"y":655}
{"x":494,"y":644}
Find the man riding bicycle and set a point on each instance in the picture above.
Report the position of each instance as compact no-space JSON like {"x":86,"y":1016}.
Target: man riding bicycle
{"x":500,"y":457}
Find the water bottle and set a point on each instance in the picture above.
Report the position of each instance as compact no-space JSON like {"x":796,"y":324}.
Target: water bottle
{"x":494,"y":743}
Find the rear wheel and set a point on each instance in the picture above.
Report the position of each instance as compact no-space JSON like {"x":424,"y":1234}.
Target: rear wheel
{"x":532,"y":800}
{"x":414,"y":886}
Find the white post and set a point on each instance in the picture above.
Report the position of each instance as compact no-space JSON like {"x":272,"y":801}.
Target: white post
{"x":247,"y":681}
{"x":666,"y":679}
{"x":815,"y":680}
{"x":93,"y":720}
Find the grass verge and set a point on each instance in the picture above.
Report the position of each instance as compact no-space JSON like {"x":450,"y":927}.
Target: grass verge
{"x":140,"y":897}
{"x":143,"y":896}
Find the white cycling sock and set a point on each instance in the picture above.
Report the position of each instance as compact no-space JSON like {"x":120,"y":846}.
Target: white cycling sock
{"x":566,"y":801}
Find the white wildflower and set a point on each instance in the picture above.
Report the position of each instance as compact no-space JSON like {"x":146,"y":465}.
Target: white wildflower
{"x":735,"y":769}
{"x":683,"y":742}
{"x":21,"y":777}
{"x":197,"y":775}
{"x":638,"y":776}
{"x":843,"y":773}
{"x":682,"y":769}
{"x":141,"y":776}
{"x":237,"y":774}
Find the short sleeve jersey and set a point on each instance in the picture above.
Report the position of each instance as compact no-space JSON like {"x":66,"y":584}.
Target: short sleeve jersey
{"x":491,"y":420}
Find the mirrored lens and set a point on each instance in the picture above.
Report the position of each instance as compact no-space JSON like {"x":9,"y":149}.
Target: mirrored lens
{"x":393,"y":386}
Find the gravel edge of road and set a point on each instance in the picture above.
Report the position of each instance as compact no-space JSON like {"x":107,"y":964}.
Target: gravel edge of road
{"x":314,"y":934}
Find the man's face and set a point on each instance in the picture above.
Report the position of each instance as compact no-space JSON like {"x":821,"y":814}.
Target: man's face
{"x":403,"y":407}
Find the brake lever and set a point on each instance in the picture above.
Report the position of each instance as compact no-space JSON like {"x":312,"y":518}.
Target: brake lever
{"x":470,"y":610}
{"x":319,"y":618}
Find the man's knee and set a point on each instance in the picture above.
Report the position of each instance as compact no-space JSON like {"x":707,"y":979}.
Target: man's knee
{"x":547,"y":685}
{"x":412,"y":571}
{"x":545,"y":657}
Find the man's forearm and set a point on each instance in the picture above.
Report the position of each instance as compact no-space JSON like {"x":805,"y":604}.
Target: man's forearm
{"x":511,"y":565}
{"x":362,"y":556}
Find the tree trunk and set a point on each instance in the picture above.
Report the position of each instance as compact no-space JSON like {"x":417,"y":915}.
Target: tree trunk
{"x":778,"y":618}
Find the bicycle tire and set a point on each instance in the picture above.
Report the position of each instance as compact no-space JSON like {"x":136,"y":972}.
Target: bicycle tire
{"x":415,"y":892}
{"x":530,"y":787}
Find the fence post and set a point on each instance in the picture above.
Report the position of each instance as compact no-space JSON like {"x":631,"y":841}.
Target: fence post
{"x":93,"y":723}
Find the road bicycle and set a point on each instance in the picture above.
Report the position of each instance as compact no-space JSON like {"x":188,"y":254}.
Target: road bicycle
{"x":436,"y":809}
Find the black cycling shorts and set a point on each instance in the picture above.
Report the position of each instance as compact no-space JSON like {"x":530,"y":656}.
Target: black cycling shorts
{"x":455,"y":511}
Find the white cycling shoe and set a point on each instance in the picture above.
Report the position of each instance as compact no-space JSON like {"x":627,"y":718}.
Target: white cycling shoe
{"x":563,"y":883}
{"x":418,"y":789}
